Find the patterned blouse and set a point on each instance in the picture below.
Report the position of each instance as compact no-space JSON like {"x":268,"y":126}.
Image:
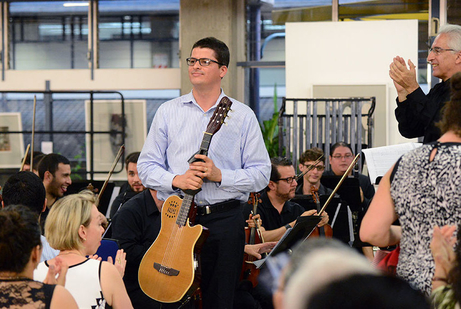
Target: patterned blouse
{"x":426,"y":193}
{"x":25,"y":293}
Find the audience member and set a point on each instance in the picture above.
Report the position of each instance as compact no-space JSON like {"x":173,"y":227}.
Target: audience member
{"x":416,"y":112}
{"x":26,"y":188}
{"x":74,"y":226}
{"x":422,"y":191}
{"x":19,"y":255}
{"x":314,"y":263}
{"x":54,"y":170}
{"x":133,"y":185}
{"x":364,"y":291}
{"x":277,"y":212}
{"x":446,"y":282}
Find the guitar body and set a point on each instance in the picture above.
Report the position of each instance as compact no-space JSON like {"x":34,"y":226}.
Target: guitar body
{"x":167,"y":270}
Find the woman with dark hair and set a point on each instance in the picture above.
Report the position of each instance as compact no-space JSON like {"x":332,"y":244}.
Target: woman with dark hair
{"x":20,"y":250}
{"x":422,"y":191}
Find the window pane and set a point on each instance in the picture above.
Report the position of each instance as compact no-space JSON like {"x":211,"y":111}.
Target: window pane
{"x":47,"y":35}
{"x":144,"y":38}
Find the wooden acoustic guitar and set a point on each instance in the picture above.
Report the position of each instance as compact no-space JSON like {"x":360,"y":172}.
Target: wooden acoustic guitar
{"x":168,"y":269}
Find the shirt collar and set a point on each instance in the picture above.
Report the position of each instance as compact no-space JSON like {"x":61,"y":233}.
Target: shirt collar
{"x":189,"y":99}
{"x":266,"y":203}
{"x":151,"y":207}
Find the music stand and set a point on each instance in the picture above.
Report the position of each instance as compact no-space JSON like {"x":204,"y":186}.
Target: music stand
{"x":349,"y":190}
{"x":302,"y":229}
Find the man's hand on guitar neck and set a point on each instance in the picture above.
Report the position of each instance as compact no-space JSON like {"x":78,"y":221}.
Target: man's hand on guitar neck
{"x":206,"y":168}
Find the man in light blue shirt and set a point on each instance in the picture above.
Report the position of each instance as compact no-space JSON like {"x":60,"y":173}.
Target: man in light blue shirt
{"x":26,"y":188}
{"x":237,"y":164}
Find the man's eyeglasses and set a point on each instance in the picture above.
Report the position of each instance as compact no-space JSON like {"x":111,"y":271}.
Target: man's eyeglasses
{"x":346,"y":156}
{"x":289,"y":180}
{"x":204,"y":62}
{"x":439,"y":50}
{"x":311,"y":167}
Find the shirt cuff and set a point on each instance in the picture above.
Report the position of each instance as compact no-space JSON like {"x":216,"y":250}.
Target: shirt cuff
{"x":226,"y":179}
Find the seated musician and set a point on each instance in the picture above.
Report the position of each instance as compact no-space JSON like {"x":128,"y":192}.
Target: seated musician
{"x":311,"y":180}
{"x":277,"y":212}
{"x":38,"y":155}
{"x":133,"y":185}
{"x":341,"y":156}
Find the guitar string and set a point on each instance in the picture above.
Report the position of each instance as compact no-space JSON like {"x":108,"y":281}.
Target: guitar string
{"x":175,"y":235}
{"x":170,"y":245}
{"x":177,"y":231}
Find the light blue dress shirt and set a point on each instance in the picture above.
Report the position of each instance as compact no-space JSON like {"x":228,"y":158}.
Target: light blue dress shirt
{"x":237,"y":149}
{"x":48,"y":253}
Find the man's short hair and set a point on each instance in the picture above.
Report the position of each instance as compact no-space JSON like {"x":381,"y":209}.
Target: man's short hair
{"x":454,"y":33}
{"x":220,"y":49}
{"x":27,"y":160}
{"x":132,"y":158}
{"x":50,"y":163}
{"x":37,"y":159}
{"x":311,"y":155}
{"x":25,"y":188}
{"x":278,"y":161}
{"x":65,"y":218}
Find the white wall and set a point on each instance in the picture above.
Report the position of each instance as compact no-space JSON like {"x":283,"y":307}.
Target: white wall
{"x":349,"y":53}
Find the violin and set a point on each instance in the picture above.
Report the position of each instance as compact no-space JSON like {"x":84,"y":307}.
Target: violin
{"x":252,"y":236}
{"x":323,"y":231}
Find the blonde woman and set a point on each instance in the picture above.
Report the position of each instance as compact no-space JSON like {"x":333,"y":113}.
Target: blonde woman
{"x":74,"y":226}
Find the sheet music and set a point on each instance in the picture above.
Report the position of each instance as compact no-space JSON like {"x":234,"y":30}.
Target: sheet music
{"x":380,"y":159}
{"x":259,"y":263}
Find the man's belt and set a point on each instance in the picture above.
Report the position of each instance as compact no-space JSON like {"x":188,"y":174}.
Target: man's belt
{"x":218,"y":207}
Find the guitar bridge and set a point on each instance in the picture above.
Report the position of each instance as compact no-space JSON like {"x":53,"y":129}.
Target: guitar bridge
{"x":166,"y":270}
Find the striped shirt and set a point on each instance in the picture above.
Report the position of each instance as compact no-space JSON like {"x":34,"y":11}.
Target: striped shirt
{"x":237,"y":149}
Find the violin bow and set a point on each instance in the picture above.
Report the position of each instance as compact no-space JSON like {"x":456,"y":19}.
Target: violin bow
{"x":117,"y":157}
{"x":24,"y":158}
{"x":33,"y":136}
{"x":339,"y":183}
{"x":298,"y":177}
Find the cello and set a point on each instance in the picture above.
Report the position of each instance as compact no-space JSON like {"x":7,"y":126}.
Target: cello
{"x":253,"y":236}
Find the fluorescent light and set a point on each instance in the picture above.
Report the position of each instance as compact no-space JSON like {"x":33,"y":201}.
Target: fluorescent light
{"x":75,"y":4}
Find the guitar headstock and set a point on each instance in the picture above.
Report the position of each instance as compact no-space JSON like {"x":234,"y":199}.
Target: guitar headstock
{"x":219,"y":115}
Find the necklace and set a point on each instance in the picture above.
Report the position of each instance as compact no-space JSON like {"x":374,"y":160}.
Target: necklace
{"x":69,"y":252}
{"x":13,"y":278}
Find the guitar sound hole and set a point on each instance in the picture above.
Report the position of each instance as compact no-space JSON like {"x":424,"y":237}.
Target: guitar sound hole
{"x":172,"y":210}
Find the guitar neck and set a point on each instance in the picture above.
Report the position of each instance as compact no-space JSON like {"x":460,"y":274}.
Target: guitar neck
{"x":205,"y":145}
{"x":184,"y":210}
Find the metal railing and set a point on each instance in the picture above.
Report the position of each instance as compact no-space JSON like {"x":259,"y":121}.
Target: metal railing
{"x":308,"y":123}
{"x":91,"y":133}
